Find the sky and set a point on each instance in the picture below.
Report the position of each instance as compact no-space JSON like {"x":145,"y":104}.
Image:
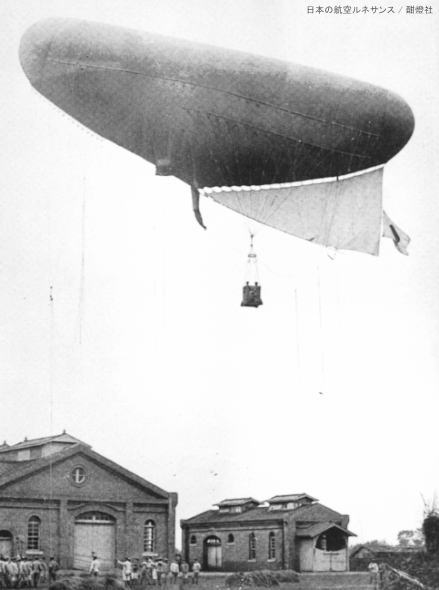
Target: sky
{"x":329,"y":388}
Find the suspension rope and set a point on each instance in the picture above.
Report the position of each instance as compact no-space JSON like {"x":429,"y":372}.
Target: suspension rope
{"x":51,"y":352}
{"x":51,"y":388}
{"x":298,"y":352}
{"x":81,"y":302}
{"x":321,"y":329}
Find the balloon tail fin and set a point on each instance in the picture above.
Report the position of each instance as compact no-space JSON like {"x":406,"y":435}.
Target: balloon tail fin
{"x":196,"y":206}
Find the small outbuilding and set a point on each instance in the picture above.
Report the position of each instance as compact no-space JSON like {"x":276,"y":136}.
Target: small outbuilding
{"x":291,"y":531}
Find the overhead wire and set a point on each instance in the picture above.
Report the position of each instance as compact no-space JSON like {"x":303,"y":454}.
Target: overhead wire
{"x":267,"y":208}
{"x":51,"y":353}
{"x":298,"y":340}
{"x":51,"y":393}
{"x":81,"y":303}
{"x":322,"y":386}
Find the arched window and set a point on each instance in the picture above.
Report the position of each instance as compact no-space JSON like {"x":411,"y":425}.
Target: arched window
{"x":252,"y":546}
{"x":271,"y":546}
{"x":149,"y":536}
{"x":94,"y":518}
{"x":33,"y":532}
{"x":193,"y":540}
{"x":230,"y":538}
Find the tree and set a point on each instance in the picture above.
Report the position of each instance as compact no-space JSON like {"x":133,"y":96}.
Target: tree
{"x":430,"y":528}
{"x":409,"y":538}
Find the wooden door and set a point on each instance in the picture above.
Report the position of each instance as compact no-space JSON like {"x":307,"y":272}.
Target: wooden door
{"x":213,"y":553}
{"x":97,"y":539}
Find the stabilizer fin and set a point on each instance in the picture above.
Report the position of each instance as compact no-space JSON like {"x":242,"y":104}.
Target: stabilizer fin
{"x":196,"y":206}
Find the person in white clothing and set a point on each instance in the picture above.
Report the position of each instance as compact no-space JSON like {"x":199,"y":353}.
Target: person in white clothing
{"x":127,"y":570}
{"x":174,"y":568}
{"x":94,"y":566}
{"x":196,"y":568}
{"x":374,"y":571}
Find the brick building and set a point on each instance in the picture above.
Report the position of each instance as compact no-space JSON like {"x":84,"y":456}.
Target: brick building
{"x":59,"y":497}
{"x":286,"y":532}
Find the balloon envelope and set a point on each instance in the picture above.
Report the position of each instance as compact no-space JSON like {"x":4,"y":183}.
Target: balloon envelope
{"x":213,"y":116}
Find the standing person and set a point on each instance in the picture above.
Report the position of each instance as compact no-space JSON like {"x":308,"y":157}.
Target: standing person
{"x":142,"y":576}
{"x":127,"y":571}
{"x":36,"y":571}
{"x":196,"y":568}
{"x":2,"y":572}
{"x":154,"y":574}
{"x":149,"y":567}
{"x":174,"y":569}
{"x":165,"y":571}
{"x":20,"y":572}
{"x":29,"y":572}
{"x":6,"y":572}
{"x":12,"y":571}
{"x":94,"y":566}
{"x":185,"y":571}
{"x":44,"y":572}
{"x":159,"y":569}
{"x":373,"y":573}
{"x":53,"y":568}
{"x":25,"y":573}
{"x":135,"y":572}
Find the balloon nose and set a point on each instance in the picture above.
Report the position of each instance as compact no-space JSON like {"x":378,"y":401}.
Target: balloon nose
{"x":34,"y":49}
{"x":398,"y":124}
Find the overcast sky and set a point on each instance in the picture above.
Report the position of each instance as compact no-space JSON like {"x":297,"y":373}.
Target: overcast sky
{"x":150,"y":358}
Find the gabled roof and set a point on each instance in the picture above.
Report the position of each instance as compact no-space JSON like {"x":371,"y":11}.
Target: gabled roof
{"x":354,"y":550}
{"x":290,"y":498}
{"x":236,"y":502}
{"x":308,"y":513}
{"x":317,"y":529}
{"x":317,"y":512}
{"x":23,"y":469}
{"x":379,"y":550}
{"x":217,"y":517}
{"x":64,"y":437}
{"x":6,"y":466}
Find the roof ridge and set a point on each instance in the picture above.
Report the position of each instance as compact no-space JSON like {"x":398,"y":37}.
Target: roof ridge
{"x":25,"y":468}
{"x":39,"y":440}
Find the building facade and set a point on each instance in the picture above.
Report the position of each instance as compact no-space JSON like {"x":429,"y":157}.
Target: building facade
{"x":59,"y":497}
{"x":291,"y":531}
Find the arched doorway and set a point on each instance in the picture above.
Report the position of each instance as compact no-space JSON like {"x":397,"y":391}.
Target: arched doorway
{"x":332,"y":540}
{"x":212,"y":553}
{"x":6,"y":543}
{"x":323,"y":547}
{"x":94,"y":535}
{"x":330,"y":553}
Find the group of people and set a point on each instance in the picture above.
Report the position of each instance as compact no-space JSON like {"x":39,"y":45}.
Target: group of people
{"x":26,"y":572}
{"x":157,"y":572}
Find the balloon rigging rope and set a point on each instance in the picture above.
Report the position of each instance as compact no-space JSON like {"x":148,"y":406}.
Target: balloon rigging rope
{"x":51,"y":358}
{"x":322,"y":343}
{"x":82,"y":275}
{"x":51,"y":372}
{"x":298,"y":355}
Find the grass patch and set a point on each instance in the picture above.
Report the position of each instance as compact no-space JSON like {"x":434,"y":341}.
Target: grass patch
{"x":261,"y":578}
{"x":83,"y":581}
